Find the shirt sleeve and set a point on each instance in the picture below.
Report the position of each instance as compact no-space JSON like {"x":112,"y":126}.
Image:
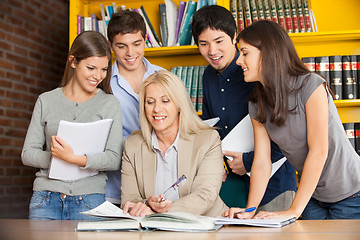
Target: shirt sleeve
{"x":33,"y":153}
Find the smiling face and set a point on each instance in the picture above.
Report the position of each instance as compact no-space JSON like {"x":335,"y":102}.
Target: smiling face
{"x":250,"y":62}
{"x":129,"y":50}
{"x":89,"y":73}
{"x":217,"y":48}
{"x":160,"y":110}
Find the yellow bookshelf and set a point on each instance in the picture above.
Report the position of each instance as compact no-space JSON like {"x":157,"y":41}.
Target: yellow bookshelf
{"x":338,"y":33}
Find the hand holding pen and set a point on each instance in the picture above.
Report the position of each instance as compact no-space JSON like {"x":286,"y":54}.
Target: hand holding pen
{"x":178,"y":183}
{"x":230,"y":213}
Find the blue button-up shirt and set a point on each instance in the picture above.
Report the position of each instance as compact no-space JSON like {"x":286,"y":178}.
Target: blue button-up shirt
{"x":129,"y":104}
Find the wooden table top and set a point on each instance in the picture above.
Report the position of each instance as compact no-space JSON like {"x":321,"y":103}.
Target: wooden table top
{"x":25,"y":229}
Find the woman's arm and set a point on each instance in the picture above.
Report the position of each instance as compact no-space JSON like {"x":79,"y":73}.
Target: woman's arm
{"x":33,"y":153}
{"x":317,"y":137}
{"x":260,"y":170}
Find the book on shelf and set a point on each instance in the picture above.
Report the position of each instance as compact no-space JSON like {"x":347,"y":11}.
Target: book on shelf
{"x":260,"y":9}
{"x":247,"y":13}
{"x":94,"y":22}
{"x":151,"y":28}
{"x":183,"y":75}
{"x":200,"y":4}
{"x":253,"y":11}
{"x":109,"y":11}
{"x":200,"y":89}
{"x":189,"y":79}
{"x":105,"y":19}
{"x":313,"y":21}
{"x":354,"y":66}
{"x":182,"y":6}
{"x":350,"y":133}
{"x":78,"y":24}
{"x":300,"y":14}
{"x":266,"y":10}
{"x":322,"y":66}
{"x":171,"y":18}
{"x":271,"y":223}
{"x":84,"y":138}
{"x":294,"y":17}
{"x":287,"y":16}
{"x":87,"y":24}
{"x":309,"y":63}
{"x":347,"y":78}
{"x":273,"y":11}
{"x":233,"y":10}
{"x":336,"y":75}
{"x":358,"y":74}
{"x":240,"y":16}
{"x":357,"y":137}
{"x":116,"y":220}
{"x":280,"y":13}
{"x":163,"y":24}
{"x":148,"y":40}
{"x":194,"y":86}
{"x":306,"y":13}
{"x":185,"y":29}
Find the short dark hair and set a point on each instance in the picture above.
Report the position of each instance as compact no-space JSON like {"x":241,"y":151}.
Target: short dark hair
{"x":214,"y":17}
{"x":125,"y":21}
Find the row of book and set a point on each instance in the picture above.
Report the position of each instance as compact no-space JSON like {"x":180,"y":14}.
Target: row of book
{"x":343,"y":73}
{"x":293,"y":15}
{"x":175,"y":27}
{"x":352,"y":131}
{"x":192,"y":78}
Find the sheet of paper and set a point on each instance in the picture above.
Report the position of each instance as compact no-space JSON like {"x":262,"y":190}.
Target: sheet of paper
{"x":241,"y":139}
{"x":84,"y":138}
{"x":212,"y":121}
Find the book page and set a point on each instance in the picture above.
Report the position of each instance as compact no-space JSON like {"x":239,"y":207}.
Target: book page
{"x":84,"y":138}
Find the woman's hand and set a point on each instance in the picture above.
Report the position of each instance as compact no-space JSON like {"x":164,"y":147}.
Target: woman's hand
{"x":238,"y":213}
{"x":273,"y":215}
{"x":137,"y":209}
{"x":62,"y":150}
{"x":159,"y":204}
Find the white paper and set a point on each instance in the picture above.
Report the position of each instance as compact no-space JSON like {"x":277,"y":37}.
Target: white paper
{"x":212,"y":121}
{"x":84,"y":138}
{"x":241,"y":139}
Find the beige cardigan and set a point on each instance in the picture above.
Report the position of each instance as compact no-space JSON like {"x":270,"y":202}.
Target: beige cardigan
{"x":200,"y":159}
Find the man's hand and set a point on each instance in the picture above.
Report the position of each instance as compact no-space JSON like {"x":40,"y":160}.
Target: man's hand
{"x":236,"y":165}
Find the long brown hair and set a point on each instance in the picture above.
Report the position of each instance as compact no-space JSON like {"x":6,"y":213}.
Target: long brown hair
{"x":279,"y":63}
{"x":88,"y":44}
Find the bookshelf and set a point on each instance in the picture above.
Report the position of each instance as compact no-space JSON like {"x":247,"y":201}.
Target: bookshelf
{"x":338,"y":23}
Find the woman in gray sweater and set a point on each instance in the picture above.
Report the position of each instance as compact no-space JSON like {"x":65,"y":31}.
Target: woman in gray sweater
{"x":84,"y":96}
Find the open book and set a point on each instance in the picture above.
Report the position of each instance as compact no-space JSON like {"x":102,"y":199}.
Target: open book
{"x":84,"y":138}
{"x":241,"y":139}
{"x":171,"y":221}
{"x":272,"y":223}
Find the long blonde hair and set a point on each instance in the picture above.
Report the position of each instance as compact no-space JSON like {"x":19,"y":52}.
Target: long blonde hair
{"x":189,"y":121}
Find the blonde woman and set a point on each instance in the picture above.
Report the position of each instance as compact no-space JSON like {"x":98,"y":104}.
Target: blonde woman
{"x":173,"y":141}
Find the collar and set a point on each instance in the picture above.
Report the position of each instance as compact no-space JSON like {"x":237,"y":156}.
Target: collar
{"x":155,"y":142}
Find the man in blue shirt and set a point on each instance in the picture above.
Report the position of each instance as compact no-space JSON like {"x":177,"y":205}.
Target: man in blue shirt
{"x":127,"y":36}
{"x":225,"y":95}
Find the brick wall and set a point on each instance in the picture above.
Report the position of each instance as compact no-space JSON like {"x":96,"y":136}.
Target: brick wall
{"x":33,"y":48}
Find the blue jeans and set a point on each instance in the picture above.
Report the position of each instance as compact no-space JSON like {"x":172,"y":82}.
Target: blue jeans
{"x":47,"y":205}
{"x":348,"y":208}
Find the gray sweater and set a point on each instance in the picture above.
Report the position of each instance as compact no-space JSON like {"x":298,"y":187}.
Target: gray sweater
{"x":50,"y":108}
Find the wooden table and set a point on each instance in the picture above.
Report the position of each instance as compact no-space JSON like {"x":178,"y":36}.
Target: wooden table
{"x":14,"y":229}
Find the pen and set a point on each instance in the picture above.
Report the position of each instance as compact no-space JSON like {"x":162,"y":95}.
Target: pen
{"x":246,"y":210}
{"x":175,"y":184}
